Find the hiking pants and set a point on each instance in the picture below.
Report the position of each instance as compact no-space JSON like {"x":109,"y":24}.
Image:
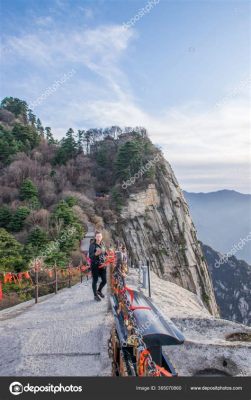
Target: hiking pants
{"x":96,"y":273}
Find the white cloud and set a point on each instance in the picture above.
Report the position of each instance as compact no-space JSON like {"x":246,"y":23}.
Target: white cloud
{"x":92,"y":47}
{"x":189,"y":136}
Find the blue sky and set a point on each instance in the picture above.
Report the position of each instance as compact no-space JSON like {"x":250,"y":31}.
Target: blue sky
{"x":179,"y":68}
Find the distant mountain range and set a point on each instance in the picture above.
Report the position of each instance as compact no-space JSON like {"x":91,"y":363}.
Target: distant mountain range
{"x":232,"y":285}
{"x":223,"y":220}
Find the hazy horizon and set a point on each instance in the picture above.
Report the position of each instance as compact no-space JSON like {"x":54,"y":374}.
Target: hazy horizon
{"x":215,"y":191}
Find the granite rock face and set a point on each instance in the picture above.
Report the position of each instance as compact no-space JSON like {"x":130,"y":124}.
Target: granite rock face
{"x":156,"y":225}
{"x":232,"y":284}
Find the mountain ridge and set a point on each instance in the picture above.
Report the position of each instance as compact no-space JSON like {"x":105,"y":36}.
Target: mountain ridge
{"x":232,"y":285}
{"x":222,"y":220}
{"x":220,"y":192}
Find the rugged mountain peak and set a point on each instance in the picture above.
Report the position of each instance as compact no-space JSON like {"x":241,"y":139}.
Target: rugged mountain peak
{"x":156,"y":226}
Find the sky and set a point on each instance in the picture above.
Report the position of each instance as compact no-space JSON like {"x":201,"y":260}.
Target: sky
{"x":179,"y":68}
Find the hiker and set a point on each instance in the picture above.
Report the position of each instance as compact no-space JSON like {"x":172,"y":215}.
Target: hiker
{"x":97,"y":254}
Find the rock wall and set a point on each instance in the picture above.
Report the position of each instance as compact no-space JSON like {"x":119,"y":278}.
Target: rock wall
{"x":156,"y":225}
{"x":232,"y":285}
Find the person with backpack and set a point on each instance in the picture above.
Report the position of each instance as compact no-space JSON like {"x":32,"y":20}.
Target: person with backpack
{"x":97,"y":254}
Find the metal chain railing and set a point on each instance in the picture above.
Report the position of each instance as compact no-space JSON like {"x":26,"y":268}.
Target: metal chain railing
{"x":145,"y":366}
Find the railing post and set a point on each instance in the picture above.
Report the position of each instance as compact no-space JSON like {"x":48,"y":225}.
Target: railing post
{"x":36,"y":282}
{"x":69,"y":277}
{"x":81,"y":275}
{"x":109,"y":276}
{"x":149,"y":278}
{"x":56,"y":279}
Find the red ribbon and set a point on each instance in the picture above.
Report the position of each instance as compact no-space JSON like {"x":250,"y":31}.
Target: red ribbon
{"x":131,"y":293}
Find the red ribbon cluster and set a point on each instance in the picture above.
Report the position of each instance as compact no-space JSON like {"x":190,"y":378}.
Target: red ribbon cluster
{"x":110,"y":258}
{"x":11,"y":277}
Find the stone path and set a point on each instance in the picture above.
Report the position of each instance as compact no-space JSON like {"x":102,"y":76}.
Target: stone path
{"x":63,"y":335}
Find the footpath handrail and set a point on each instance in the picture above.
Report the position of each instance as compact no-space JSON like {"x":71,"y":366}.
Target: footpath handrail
{"x":36,"y":268}
{"x":145,"y":366}
{"x":34,"y":283}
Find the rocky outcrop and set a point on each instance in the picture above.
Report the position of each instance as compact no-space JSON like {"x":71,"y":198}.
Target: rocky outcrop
{"x":232,"y":285}
{"x":156,"y":226}
{"x":139,"y":203}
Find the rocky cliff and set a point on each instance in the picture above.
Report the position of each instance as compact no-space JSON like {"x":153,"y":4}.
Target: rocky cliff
{"x":232,"y":284}
{"x":156,"y":226}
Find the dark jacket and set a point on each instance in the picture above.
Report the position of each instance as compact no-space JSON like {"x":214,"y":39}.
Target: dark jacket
{"x":96,"y":261}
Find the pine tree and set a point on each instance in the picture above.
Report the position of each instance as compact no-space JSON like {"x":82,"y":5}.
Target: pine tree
{"x":129,"y":160}
{"x":31,"y":117}
{"x":80,"y":137}
{"x":88,"y":138}
{"x":37,"y":238}
{"x":18,"y":219}
{"x":16,"y":106}
{"x":8,"y":146}
{"x":26,"y":136}
{"x":68,"y":148}
{"x":40,"y":127}
{"x":64,"y":212}
{"x":5,"y":216}
{"x":10,"y":252}
{"x":28,"y":190}
{"x":49,"y":136}
{"x":56,"y":257}
{"x":117,"y":198}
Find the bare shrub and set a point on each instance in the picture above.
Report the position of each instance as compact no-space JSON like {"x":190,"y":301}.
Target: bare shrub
{"x":98,"y":222}
{"x":47,"y":192}
{"x":79,"y":213}
{"x":106,"y":237}
{"x":83,"y":201}
{"x":22,"y":236}
{"x":16,"y":203}
{"x":22,"y":168}
{"x":61,"y":180}
{"x":6,"y":116}
{"x":40,"y":217}
{"x":76,"y":258}
{"x":47,"y":152}
{"x":109,"y":217}
{"x":57,"y":228}
{"x":8,"y":194}
{"x":71,"y":171}
{"x":83,"y":180}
